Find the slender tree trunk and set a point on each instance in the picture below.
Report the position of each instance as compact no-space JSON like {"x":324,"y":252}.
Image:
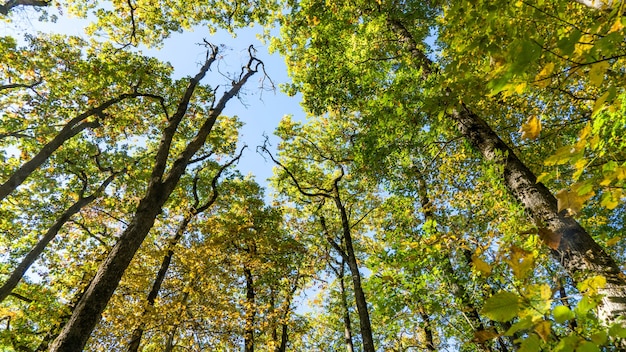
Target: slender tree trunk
{"x":36,"y":251}
{"x":76,"y":332}
{"x":135,"y":339}
{"x":248,"y":334}
{"x":284,"y":337}
{"x":571,"y":245}
{"x":347,"y":325}
{"x":359,"y":295}
{"x":428,"y":330}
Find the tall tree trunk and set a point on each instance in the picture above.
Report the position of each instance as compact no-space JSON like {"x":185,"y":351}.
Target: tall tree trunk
{"x":348,"y":254}
{"x":248,"y":333}
{"x":347,"y":325}
{"x":428,"y":329}
{"x":76,"y":332}
{"x":571,"y":245}
{"x":359,"y":295}
{"x":569,"y":242}
{"x":135,"y":339}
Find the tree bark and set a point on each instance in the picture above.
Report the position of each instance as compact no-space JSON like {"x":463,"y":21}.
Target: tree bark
{"x":76,"y":332}
{"x":248,"y":334}
{"x":576,"y":250}
{"x":359,"y":295}
{"x":570,"y":244}
{"x":9,"y":5}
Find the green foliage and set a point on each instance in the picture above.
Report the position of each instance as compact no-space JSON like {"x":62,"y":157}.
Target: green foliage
{"x":448,"y":258}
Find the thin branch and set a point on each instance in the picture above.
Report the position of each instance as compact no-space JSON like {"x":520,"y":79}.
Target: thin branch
{"x":325,"y":194}
{"x":20,"y":85}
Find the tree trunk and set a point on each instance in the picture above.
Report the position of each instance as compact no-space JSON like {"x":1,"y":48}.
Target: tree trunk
{"x":347,"y":325}
{"x":248,"y":334}
{"x":76,"y":332}
{"x":135,"y":339}
{"x":571,"y":245}
{"x":359,"y":295}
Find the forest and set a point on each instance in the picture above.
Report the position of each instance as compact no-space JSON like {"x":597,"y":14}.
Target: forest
{"x":457,"y":183}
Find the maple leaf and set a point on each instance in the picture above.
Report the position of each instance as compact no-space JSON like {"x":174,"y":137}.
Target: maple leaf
{"x":573,"y":200}
{"x":531,"y":129}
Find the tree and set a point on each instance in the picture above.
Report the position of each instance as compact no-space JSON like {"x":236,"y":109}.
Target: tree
{"x":365,"y":63}
{"x":462,"y":160}
{"x":322,"y":182}
{"x":86,"y":314}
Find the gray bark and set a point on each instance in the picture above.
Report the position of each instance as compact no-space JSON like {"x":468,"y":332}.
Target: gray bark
{"x":9,"y":5}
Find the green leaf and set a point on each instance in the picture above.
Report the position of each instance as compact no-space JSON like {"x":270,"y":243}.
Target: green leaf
{"x":502,"y":307}
{"x":531,"y":344}
{"x":588,"y":346}
{"x":562,"y":314}
{"x":617,"y":330}
{"x":597,"y":71}
{"x":523,"y":324}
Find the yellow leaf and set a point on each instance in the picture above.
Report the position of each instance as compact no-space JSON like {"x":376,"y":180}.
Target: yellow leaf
{"x":596,"y":73}
{"x":617,"y":26}
{"x":545,"y":176}
{"x":480,"y":265}
{"x":520,"y":261}
{"x":543,"y":329}
{"x":543,"y":78}
{"x":600,"y":102}
{"x":592,"y":284}
{"x":610,"y":200}
{"x":571,"y":200}
{"x":482,"y":336}
{"x":613,"y":241}
{"x":532,"y":128}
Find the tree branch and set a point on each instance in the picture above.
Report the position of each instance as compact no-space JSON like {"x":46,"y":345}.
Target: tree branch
{"x":9,"y":5}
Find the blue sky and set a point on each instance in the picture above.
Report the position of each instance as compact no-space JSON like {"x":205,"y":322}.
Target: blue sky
{"x":260,"y":109}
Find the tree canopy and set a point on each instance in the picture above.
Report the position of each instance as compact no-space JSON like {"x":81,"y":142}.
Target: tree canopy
{"x":457,"y":183}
